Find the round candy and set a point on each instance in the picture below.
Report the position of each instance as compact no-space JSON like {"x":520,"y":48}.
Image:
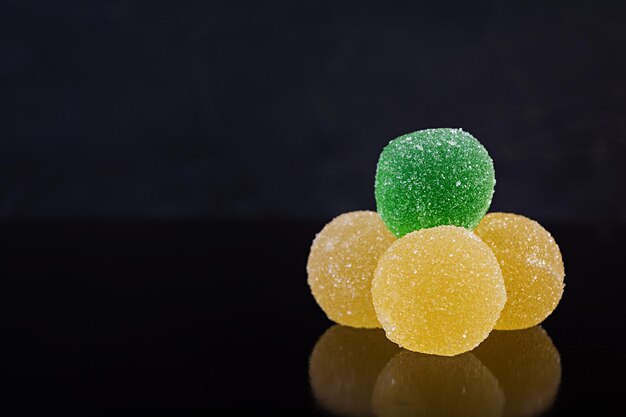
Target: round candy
{"x":528,"y":367}
{"x":438,"y":291}
{"x":531,"y":265}
{"x":341,"y":266}
{"x":431,"y":178}
{"x":344,"y":365}
{"x":414,"y":384}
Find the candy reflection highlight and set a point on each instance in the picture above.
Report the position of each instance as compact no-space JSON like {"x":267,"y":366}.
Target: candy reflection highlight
{"x":415,"y":384}
{"x":528,"y":367}
{"x":344,"y":366}
{"x":359,"y":372}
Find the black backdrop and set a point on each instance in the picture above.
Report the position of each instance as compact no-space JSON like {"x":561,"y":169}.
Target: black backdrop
{"x":269,"y":109}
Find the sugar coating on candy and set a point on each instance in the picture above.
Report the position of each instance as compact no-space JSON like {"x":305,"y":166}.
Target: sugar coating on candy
{"x":341,"y":266}
{"x":531,"y":265}
{"x":438,"y":291}
{"x":344,"y":366}
{"x":414,"y":384}
{"x":528,"y":367}
{"x":431,"y":178}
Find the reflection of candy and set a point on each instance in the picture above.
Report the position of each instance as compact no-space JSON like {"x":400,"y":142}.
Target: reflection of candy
{"x":431,"y":178}
{"x":438,"y":290}
{"x":531,"y":266}
{"x":344,"y":366}
{"x":414,"y":384}
{"x":341,"y":266}
{"x":528,"y":367}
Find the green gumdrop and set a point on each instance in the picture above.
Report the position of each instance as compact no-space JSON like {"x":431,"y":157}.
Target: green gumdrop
{"x":431,"y":178}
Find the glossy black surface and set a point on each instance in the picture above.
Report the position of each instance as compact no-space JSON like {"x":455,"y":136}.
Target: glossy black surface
{"x":183,"y":318}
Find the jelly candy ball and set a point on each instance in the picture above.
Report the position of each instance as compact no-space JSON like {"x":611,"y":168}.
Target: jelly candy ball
{"x":438,"y":291}
{"x":341,"y":266}
{"x":344,"y":365}
{"x":431,"y":178}
{"x":414,"y":384}
{"x":531,"y":265}
{"x":528,"y":367}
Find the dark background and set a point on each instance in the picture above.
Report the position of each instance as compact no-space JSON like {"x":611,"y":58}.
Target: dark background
{"x":165,"y":165}
{"x":227,"y":109}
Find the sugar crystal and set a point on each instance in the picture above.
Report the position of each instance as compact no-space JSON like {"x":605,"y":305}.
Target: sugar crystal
{"x":419,"y":178}
{"x":428,"y":301}
{"x":531,"y":264}
{"x":341,"y":266}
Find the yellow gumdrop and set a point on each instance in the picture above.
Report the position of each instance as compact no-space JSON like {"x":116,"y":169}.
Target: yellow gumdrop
{"x":528,"y":367}
{"x":341,"y":266}
{"x":344,"y":366}
{"x":531,"y":265}
{"x":438,"y":291}
{"x":413,"y":384}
